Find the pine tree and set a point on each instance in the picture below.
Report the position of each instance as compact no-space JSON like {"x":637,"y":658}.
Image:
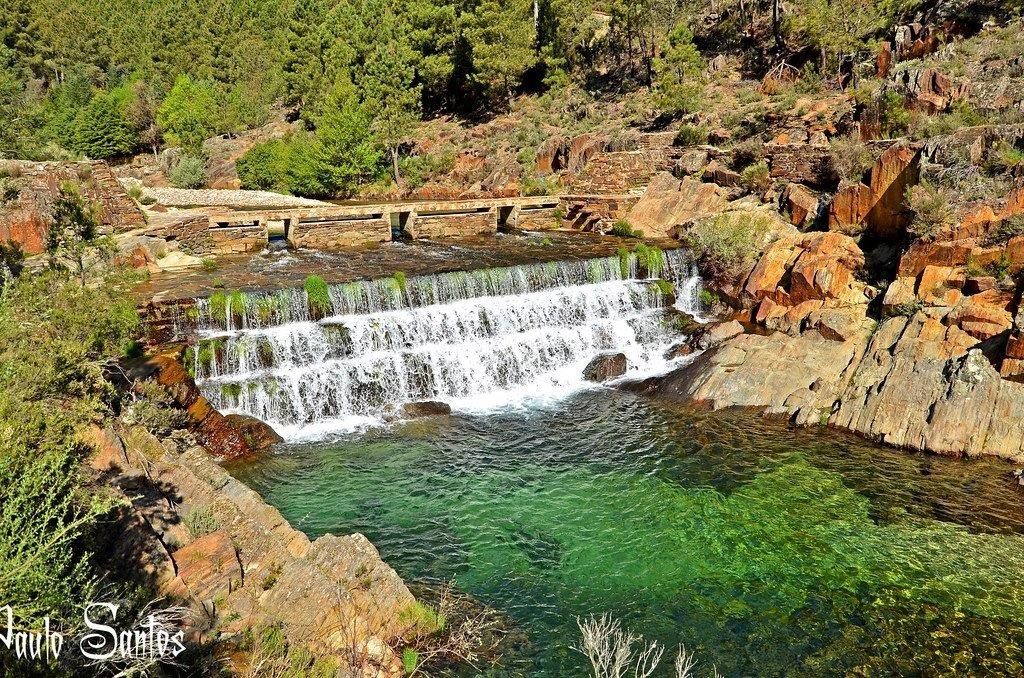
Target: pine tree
{"x":388,"y":91}
{"x":502,"y":36}
{"x":345,"y":148}
{"x":679,"y":71}
{"x":304,"y":67}
{"x":101,"y":130}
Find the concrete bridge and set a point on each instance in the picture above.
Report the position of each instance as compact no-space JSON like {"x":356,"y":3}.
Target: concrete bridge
{"x":221,"y":229}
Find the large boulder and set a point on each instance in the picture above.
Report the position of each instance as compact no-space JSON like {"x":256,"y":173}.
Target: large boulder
{"x":260,"y":435}
{"x":801,"y":204}
{"x":426,"y":408}
{"x":799,"y":376}
{"x":812,"y":266}
{"x":606,"y":367}
{"x":923,"y":386}
{"x":668,"y":202}
{"x":212,"y":429}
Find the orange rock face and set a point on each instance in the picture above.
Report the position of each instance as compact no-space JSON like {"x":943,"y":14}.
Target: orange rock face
{"x":878,"y":205}
{"x":212,"y":429}
{"x":801,"y":204}
{"x":27,"y":228}
{"x":809,"y":279}
{"x":984,"y":315}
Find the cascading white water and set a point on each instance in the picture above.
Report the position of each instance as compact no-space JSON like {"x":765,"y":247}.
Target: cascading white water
{"x":476,"y":340}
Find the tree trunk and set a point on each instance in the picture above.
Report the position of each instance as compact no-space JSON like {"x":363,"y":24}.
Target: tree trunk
{"x":394,"y":164}
{"x":777,"y":22}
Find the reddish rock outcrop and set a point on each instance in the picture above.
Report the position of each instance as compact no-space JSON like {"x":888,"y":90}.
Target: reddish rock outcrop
{"x":984,"y":315}
{"x":877,"y":206}
{"x":26,"y":220}
{"x":208,"y":568}
{"x":801,"y":204}
{"x":584,"y":147}
{"x":813,"y":266}
{"x":929,"y":90}
{"x":258,"y":434}
{"x":669,"y":202}
{"x":212,"y":429}
{"x":552,"y":155}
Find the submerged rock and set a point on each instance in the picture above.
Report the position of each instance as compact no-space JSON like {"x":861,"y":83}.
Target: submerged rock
{"x":605,"y":367}
{"x":258,"y":434}
{"x":426,"y":408}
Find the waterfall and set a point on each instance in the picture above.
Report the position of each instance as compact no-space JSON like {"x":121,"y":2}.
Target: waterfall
{"x":476,"y":340}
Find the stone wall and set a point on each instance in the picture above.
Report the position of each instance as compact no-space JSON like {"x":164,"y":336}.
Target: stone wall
{"x":453,"y":224}
{"x":538,"y":219}
{"x":334,"y":234}
{"x":623,"y":172}
{"x":196,"y":235}
{"x":234,"y":239}
{"x":803,"y":163}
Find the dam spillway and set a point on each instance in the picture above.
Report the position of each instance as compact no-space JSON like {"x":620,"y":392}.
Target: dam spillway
{"x":481,"y":339}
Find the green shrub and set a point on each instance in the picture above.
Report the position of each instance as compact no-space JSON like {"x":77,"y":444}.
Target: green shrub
{"x":726,"y":244}
{"x":190,"y":172}
{"x":931,"y":209}
{"x":539,"y":186}
{"x":893,"y":114}
{"x":210,"y":264}
{"x":239,"y":303}
{"x":624,"y":262}
{"x":691,"y":135}
{"x":56,"y":340}
{"x":851,"y":158}
{"x":200,"y":521}
{"x":318,"y":294}
{"x":423,"y":619}
{"x":963,"y":114}
{"x":708,"y":299}
{"x":265,"y":166}
{"x":651,"y":259}
{"x":155,"y":409}
{"x":398,"y":281}
{"x":135,"y":192}
{"x":664,"y":287}
{"x":266,"y":306}
{"x":1005,"y":157}
{"x":1005,"y":230}
{"x":747,"y":153}
{"x":12,"y":262}
{"x":410,"y":660}
{"x":218,"y":305}
{"x":10,"y":191}
{"x":757,"y":177}
{"x":624,"y":229}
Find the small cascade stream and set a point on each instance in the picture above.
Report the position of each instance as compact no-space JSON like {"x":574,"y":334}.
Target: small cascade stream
{"x":476,"y":340}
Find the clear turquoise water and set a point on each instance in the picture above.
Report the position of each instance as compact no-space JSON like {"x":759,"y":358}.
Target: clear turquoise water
{"x":766,"y":550}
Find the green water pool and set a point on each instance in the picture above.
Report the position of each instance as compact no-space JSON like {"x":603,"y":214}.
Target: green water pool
{"x":767,"y":551}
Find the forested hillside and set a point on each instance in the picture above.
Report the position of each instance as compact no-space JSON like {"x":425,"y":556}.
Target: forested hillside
{"x":108,"y":79}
